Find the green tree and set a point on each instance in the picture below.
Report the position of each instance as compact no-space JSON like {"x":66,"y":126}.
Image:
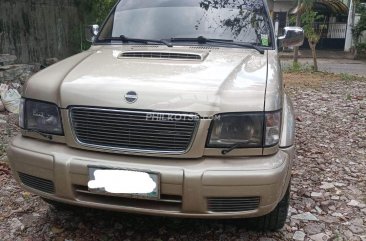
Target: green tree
{"x":308,"y":19}
{"x":312,"y":32}
{"x":360,"y":28}
{"x":90,"y":12}
{"x":95,"y":11}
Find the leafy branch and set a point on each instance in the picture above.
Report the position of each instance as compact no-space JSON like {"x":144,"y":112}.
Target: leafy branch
{"x":360,"y":27}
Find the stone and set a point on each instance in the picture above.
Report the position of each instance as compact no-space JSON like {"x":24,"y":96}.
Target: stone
{"x":362,"y":144}
{"x":313,"y":228}
{"x":2,"y":107}
{"x":57,"y":230}
{"x":305,"y":216}
{"x":339,"y":184}
{"x":338,"y":215}
{"x":16,"y":225}
{"x":51,"y":61}
{"x":6,"y":59}
{"x":18,"y":73}
{"x":291,"y":210}
{"x":334,"y":198}
{"x":3,"y":88}
{"x":316,"y":195}
{"x":348,"y":234}
{"x":327,"y":185}
{"x":353,"y":203}
{"x":356,"y":229}
{"x":299,"y":236}
{"x":319,"y":237}
{"x":329,"y":219}
{"x":318,"y":209}
{"x":357,"y":221}
{"x":309,"y":203}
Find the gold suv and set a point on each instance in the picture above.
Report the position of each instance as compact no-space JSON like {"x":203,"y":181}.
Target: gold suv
{"x":177,"y":109}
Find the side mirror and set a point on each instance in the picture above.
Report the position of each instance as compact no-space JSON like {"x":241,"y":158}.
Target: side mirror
{"x":293,"y":37}
{"x":91,"y":32}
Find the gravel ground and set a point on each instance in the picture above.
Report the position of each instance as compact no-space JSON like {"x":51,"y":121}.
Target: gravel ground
{"x":327,"y":200}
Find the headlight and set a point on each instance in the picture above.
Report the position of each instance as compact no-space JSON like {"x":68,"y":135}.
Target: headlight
{"x":254,"y":130}
{"x":40,"y":116}
{"x":230,"y":129}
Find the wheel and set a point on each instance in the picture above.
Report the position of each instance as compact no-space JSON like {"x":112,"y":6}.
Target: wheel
{"x":276,"y":219}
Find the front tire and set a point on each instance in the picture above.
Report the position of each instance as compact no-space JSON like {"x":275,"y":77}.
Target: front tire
{"x":276,"y":219}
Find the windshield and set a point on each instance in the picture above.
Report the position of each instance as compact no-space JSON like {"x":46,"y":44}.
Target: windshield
{"x":244,"y":21}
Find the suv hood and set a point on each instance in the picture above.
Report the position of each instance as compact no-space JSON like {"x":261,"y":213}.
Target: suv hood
{"x":224,"y":80}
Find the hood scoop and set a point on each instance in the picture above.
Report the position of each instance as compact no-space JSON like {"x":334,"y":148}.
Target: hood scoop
{"x":163,"y":55}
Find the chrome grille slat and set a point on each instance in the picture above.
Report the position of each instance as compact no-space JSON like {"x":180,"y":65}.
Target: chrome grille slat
{"x":137,"y":133}
{"x":233,"y":204}
{"x":95,"y":125}
{"x":113,"y":112}
{"x":37,"y":183}
{"x":116,"y":144}
{"x":136,"y":137}
{"x":243,"y":208}
{"x":234,"y":201}
{"x":128,"y":123}
{"x":127,"y":130}
{"x":107,"y":138}
{"x":168,"y":135}
{"x":126,"y":119}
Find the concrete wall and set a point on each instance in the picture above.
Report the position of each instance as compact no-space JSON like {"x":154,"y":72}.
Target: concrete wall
{"x":34,"y":30}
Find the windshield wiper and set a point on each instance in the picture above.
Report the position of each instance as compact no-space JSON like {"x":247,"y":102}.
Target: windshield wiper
{"x":50,"y":137}
{"x":125,"y":39}
{"x":233,"y":147}
{"x":203,"y":40}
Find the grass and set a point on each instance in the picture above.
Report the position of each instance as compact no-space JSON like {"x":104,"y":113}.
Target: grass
{"x":296,"y":67}
{"x":349,"y":97}
{"x":349,"y":77}
{"x":303,"y":74}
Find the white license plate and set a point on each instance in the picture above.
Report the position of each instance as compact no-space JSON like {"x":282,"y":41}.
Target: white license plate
{"x":128,"y":183}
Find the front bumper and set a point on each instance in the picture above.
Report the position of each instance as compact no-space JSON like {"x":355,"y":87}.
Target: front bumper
{"x":186,"y":184}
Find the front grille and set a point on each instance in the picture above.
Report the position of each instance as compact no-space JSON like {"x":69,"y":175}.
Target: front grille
{"x":134,"y":130}
{"x":37,"y":183}
{"x":161,"y":55}
{"x":235,"y":204}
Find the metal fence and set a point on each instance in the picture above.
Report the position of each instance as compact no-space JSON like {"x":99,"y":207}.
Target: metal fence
{"x":332,"y":30}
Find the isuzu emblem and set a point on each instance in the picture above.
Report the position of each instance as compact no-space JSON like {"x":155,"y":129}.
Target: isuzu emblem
{"x":131,"y":97}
